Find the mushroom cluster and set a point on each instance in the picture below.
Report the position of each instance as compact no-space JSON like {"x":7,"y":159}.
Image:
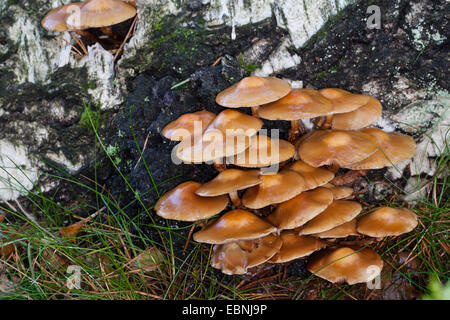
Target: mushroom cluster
{"x":79,"y":17}
{"x":308,"y":214}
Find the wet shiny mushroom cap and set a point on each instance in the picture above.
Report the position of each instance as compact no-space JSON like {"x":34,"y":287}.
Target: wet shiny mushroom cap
{"x":343,"y":231}
{"x":187,"y":124}
{"x":227,"y":135}
{"x":253,"y":91}
{"x":263,"y":152}
{"x":295,"y":246}
{"x":101,"y":13}
{"x":263,"y":249}
{"x":314,"y":177}
{"x":351,"y":265}
{"x":232,"y":226}
{"x":339,"y":192}
{"x":327,"y":147}
{"x":359,"y":118}
{"x":183,"y":204}
{"x":344,"y":101}
{"x":394,"y":147}
{"x":298,"y":104}
{"x":299,"y":210}
{"x":275,"y":188}
{"x":55,"y":20}
{"x":386,"y":221}
{"x":228,"y":181}
{"x":339,"y":212}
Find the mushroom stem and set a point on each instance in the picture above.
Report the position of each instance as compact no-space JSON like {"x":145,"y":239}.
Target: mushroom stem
{"x":109,"y":32}
{"x":348,"y":177}
{"x":255,"y":111}
{"x":327,"y":123}
{"x":235,"y":199}
{"x":294,"y":131}
{"x":302,"y":128}
{"x":87,"y":35}
{"x":220,"y":165}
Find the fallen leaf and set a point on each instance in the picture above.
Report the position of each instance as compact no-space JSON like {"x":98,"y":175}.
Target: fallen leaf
{"x":2,"y":218}
{"x":72,"y":230}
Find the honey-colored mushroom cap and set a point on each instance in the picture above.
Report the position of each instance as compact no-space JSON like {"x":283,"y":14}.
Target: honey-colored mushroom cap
{"x":55,"y":20}
{"x":295,"y":246}
{"x":228,"y":134}
{"x":298,"y":104}
{"x":344,"y":230}
{"x":262,"y":249}
{"x":314,"y":177}
{"x":394,"y":147}
{"x":327,"y":147}
{"x":344,"y":101}
{"x":351,"y":265}
{"x":263,"y":152}
{"x":359,"y":118}
{"x":275,"y":188}
{"x":232,"y":226}
{"x":187,"y":124}
{"x":339,"y":212}
{"x":339,"y":192}
{"x":101,"y":13}
{"x":183,"y":204}
{"x":253,"y":91}
{"x":386,"y":221}
{"x":228,"y":181}
{"x":299,"y":210}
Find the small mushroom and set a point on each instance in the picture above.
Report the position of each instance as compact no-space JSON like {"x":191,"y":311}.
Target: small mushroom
{"x":314,"y":177}
{"x":183,"y":204}
{"x":229,"y":182}
{"x":101,"y":13}
{"x":343,"y":231}
{"x":252,"y":92}
{"x":186,"y":124}
{"x":298,"y":104}
{"x":227,"y":135}
{"x":346,"y":264}
{"x":275,"y":188}
{"x":295,"y":247}
{"x":232,"y":226}
{"x":386,"y":221}
{"x":394,"y":147}
{"x":343,"y":148}
{"x":263,"y":152}
{"x":299,"y":210}
{"x":237,"y":257}
{"x":339,"y":212}
{"x":339,"y":192}
{"x":359,"y":118}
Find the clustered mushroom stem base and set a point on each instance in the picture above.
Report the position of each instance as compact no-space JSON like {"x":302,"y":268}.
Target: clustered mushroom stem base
{"x":327,"y":123}
{"x":294,"y":131}
{"x":348,"y":177}
{"x":255,"y":111}
{"x":235,"y":199}
{"x":220,"y":165}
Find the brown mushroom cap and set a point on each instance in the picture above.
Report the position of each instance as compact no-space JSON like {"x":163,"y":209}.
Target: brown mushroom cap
{"x":228,"y":181}
{"x":263,"y":152}
{"x":344,"y":230}
{"x":298,"y":104}
{"x":339,"y":212}
{"x":176,"y":130}
{"x":183,"y":204}
{"x":314,"y":177}
{"x":359,"y":118}
{"x":327,"y":147}
{"x":101,"y":13}
{"x":344,"y":101}
{"x":346,"y":264}
{"x":339,"y":192}
{"x":295,"y":246}
{"x":55,"y":20}
{"x":237,"y":257}
{"x":394,"y":147}
{"x":232,"y":226}
{"x":228,"y":134}
{"x":299,"y":210}
{"x":386,"y":221}
{"x":230,"y":258}
{"x":253,"y":91}
{"x":275,"y":188}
